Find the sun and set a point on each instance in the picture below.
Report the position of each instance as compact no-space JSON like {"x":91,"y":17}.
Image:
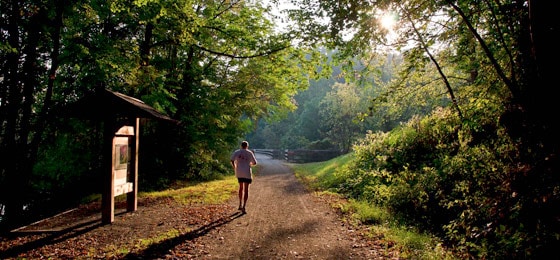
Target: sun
{"x":388,"y":20}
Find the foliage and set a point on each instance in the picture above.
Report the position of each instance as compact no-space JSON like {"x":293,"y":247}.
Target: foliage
{"x":478,"y":170}
{"x":452,"y":182}
{"x":481,"y":171}
{"x":339,"y":110}
{"x":56,"y":181}
{"x":326,"y":178}
{"x":217,"y":67}
{"x":448,"y":180}
{"x":330,"y":116}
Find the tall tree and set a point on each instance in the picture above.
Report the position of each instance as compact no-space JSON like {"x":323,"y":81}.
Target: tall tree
{"x":217,"y":66}
{"x":498,"y":47}
{"x":30,"y":60}
{"x":340,"y":111}
{"x":494,"y":62}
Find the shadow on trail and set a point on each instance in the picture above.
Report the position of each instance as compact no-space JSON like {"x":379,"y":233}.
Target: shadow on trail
{"x":162,"y":248}
{"x":297,"y":233}
{"x":54,"y":236}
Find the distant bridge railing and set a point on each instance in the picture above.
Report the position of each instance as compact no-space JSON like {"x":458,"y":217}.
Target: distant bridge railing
{"x":306,"y":156}
{"x":300,"y":155}
{"x":274,"y":153}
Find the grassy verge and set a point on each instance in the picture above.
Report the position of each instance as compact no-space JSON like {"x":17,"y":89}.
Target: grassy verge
{"x":322,"y":177}
{"x":211,"y":192}
{"x":202,"y":193}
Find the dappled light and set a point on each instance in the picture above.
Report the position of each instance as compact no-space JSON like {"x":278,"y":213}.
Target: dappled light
{"x":443,"y":106}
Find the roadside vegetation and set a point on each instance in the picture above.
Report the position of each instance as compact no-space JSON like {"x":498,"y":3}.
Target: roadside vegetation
{"x":211,"y":192}
{"x":324,"y":178}
{"x":433,"y":189}
{"x":444,"y":106}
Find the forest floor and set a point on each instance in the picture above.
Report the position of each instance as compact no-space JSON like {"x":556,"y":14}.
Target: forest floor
{"x":283,"y":220}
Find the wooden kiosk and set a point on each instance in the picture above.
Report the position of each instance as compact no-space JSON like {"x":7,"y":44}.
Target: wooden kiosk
{"x":121,"y":120}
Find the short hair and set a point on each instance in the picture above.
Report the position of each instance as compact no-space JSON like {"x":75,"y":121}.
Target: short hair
{"x":244,"y":144}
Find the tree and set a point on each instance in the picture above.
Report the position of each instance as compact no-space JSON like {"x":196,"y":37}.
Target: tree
{"x":498,"y":48}
{"x":340,"y":110}
{"x":504,"y":38}
{"x":493,"y":62}
{"x":30,"y":56}
{"x":217,"y":66}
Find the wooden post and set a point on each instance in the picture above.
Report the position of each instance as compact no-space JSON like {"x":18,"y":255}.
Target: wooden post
{"x":107,"y":196}
{"x":134,"y":141}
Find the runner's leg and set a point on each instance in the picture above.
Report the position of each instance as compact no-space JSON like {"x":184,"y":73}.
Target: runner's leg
{"x":246,"y":194}
{"x":240,"y":195}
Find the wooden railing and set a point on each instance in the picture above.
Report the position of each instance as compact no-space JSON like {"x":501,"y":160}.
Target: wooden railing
{"x":300,"y":155}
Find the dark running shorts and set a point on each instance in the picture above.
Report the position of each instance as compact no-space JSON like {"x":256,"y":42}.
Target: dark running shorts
{"x":244,"y":180}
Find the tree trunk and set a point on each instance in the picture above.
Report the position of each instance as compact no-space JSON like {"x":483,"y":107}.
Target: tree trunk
{"x":10,"y":118}
{"x":22,"y":122}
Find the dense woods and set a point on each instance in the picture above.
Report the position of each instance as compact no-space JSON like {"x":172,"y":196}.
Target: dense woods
{"x":215,"y":66}
{"x":447,"y":111}
{"x":458,"y":139}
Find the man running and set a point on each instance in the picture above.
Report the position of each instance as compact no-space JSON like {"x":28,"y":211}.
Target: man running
{"x":242,"y":160}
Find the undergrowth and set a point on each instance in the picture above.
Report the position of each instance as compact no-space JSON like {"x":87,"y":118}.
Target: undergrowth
{"x":324,"y":177}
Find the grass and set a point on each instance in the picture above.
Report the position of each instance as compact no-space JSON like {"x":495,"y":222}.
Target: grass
{"x":141,"y":244}
{"x":209,"y":192}
{"x":322,"y":177}
{"x":212,"y":192}
{"x":206,"y":193}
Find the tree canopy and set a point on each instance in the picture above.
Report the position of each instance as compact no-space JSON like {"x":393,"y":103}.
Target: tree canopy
{"x":475,"y":155}
{"x":216,"y":66}
{"x":219,"y":67}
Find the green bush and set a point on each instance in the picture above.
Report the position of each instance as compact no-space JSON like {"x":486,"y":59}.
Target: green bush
{"x":447,"y":177}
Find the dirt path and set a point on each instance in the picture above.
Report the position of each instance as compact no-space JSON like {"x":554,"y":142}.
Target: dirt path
{"x":285,"y":221}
